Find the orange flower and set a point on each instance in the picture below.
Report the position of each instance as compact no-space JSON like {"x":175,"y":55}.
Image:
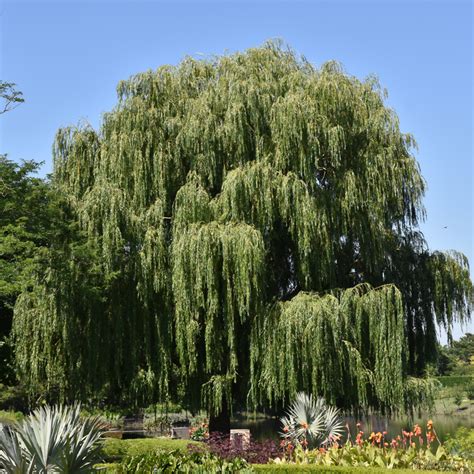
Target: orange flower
{"x":385,"y":444}
{"x":304,"y":425}
{"x":417,"y":430}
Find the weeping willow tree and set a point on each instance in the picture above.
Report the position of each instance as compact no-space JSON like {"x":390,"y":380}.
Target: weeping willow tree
{"x":249,"y":229}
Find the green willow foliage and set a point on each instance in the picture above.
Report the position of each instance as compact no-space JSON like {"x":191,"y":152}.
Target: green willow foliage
{"x":249,"y":230}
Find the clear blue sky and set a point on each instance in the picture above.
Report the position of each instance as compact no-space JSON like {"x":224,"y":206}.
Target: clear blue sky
{"x":67,"y":58}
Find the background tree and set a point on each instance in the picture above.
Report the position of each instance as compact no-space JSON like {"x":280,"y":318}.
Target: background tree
{"x":16,"y":189}
{"x":457,"y":358}
{"x":10,"y":97}
{"x":255,"y":221}
{"x":464,"y":348}
{"x":28,"y":219}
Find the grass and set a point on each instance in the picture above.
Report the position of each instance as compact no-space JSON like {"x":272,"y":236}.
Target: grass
{"x":455,"y":380}
{"x":116,"y":449}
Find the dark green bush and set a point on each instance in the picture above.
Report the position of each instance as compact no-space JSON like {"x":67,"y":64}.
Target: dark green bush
{"x":13,"y":398}
{"x":470,"y":391}
{"x":116,"y":449}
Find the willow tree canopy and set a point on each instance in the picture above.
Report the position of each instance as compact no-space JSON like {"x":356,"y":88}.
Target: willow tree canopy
{"x":247,"y":228}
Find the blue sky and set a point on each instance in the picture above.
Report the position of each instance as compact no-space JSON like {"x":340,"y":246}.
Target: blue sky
{"x":67,"y":57}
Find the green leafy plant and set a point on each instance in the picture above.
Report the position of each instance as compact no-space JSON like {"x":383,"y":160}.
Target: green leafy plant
{"x":470,"y":391}
{"x":458,"y":398}
{"x":411,"y":450}
{"x":51,"y":439}
{"x":461,"y":443}
{"x":310,"y":422}
{"x":368,"y":455}
{"x":178,"y":462}
{"x":8,"y":417}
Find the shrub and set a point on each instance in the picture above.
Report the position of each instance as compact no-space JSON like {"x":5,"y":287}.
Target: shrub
{"x":13,"y":398}
{"x":462,"y":443}
{"x":178,"y":462}
{"x":256,"y":452}
{"x":470,"y":391}
{"x":458,"y":398}
{"x":110,"y":418}
{"x":10,"y":417}
{"x":117,"y":449}
{"x":51,"y":439}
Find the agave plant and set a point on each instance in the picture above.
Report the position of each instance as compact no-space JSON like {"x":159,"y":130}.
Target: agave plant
{"x":51,"y":440}
{"x":310,"y":422}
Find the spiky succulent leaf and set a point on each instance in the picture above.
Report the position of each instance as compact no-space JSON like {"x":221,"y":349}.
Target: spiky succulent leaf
{"x":51,"y":439}
{"x":311,"y":421}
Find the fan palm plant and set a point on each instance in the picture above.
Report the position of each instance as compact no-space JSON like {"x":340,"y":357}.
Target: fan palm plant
{"x":310,"y":422}
{"x":51,"y":440}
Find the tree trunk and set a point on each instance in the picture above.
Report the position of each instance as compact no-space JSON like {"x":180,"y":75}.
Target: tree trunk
{"x":220,"y":423}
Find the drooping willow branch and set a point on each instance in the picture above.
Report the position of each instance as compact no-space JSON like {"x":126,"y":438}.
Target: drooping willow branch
{"x":216,"y":211}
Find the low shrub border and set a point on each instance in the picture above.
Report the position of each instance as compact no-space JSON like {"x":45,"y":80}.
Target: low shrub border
{"x":297,"y":468}
{"x":114,"y":450}
{"x":112,"y":468}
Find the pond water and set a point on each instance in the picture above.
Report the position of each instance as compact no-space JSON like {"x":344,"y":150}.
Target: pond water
{"x":268,"y":428}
